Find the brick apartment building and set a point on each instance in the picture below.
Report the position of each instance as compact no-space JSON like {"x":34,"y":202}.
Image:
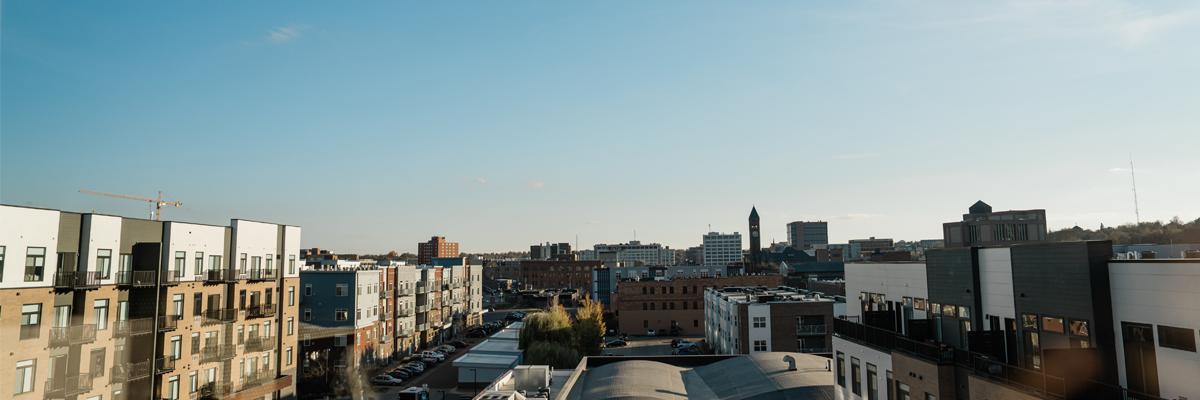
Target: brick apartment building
{"x":565,"y":272}
{"x":434,"y":248}
{"x":675,"y":303}
{"x":755,"y":320}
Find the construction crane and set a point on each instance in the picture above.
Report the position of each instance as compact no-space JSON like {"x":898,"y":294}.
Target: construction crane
{"x":159,"y":203}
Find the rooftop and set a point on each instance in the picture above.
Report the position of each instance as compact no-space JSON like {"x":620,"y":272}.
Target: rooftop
{"x":757,"y":376}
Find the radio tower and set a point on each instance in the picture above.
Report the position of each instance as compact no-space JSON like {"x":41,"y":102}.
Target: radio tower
{"x":1133,"y":177}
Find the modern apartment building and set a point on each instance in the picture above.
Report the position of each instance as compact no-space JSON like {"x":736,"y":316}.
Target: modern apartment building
{"x":675,"y":303}
{"x":1031,"y":321}
{"x":123,"y":308}
{"x":749,"y":320}
{"x":632,"y":253}
{"x":548,"y":250}
{"x":722,"y":248}
{"x":435,"y":247}
{"x":340,"y":311}
{"x":802,"y":235}
{"x":982,"y":227}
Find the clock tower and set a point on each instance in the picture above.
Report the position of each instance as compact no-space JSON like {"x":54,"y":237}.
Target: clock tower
{"x":755,"y":245}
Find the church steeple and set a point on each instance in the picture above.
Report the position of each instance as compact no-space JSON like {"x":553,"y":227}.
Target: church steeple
{"x":755,"y":241}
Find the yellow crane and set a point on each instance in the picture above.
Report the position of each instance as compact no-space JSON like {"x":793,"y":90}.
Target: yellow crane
{"x":159,"y":203}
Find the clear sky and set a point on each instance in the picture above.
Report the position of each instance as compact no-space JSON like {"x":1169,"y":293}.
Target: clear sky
{"x":502,"y":124}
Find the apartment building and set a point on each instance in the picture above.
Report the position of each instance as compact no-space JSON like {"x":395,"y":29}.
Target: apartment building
{"x":340,"y":316}
{"x":435,"y":247}
{"x":146,"y":309}
{"x":802,"y":235}
{"x":722,"y":248}
{"x":749,"y":320}
{"x":1030,"y":321}
{"x":562,"y":273}
{"x":404,"y":289}
{"x":606,"y":278}
{"x":676,"y":303}
{"x":982,"y":227}
{"x":633,"y":253}
{"x":548,"y":250}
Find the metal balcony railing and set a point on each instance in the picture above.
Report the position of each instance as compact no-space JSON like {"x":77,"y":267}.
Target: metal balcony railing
{"x":423,"y":308}
{"x":386,"y":294}
{"x":259,"y":343}
{"x":70,"y":335}
{"x":262,"y":274}
{"x":811,"y":329}
{"x":218,"y":275}
{"x":385,"y":316}
{"x":76,"y":280}
{"x":164,"y":365}
{"x":404,"y":312}
{"x":385,"y":339}
{"x":421,"y":290}
{"x":215,"y":390}
{"x":404,"y":292}
{"x":169,"y":277}
{"x":137,"y":278}
{"x":220,"y":315}
{"x":168,"y":322}
{"x":140,"y":326}
{"x":216,"y":353}
{"x":404,"y":332}
{"x":811,"y":350}
{"x":258,"y":378}
{"x":68,"y":386}
{"x":261,"y":311}
{"x":125,"y":372}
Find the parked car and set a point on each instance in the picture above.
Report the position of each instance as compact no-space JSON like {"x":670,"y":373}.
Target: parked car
{"x":478,"y":333}
{"x":681,"y":343}
{"x":514,"y":317}
{"x":675,"y":342}
{"x":616,"y":343}
{"x":434,"y":354}
{"x":458,"y":343}
{"x":400,"y":374}
{"x":447,"y":348}
{"x":662,"y":332}
{"x":650,"y":332}
{"x":387,"y":380}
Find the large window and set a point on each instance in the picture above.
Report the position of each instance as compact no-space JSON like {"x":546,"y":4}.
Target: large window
{"x":340,"y":314}
{"x":100,"y":314}
{"x":341,"y":289}
{"x":855,"y":379}
{"x":176,"y":347}
{"x":173,"y":388}
{"x":31,"y":321}
{"x":25,"y":376}
{"x":97,"y":366}
{"x":103,"y":263}
{"x":872,"y":382}
{"x":902,"y":391}
{"x":292,"y":264}
{"x":760,"y":322}
{"x":291,"y":296}
{"x":841,"y":369}
{"x":1176,"y":338}
{"x":180,"y":263}
{"x":199,"y":267}
{"x":35,"y":264}
{"x":214,"y":262}
{"x":760,"y":345}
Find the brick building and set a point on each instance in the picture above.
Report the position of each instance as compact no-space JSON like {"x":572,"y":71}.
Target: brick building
{"x":756,"y":320}
{"x":677,"y":303}
{"x":435,"y":247}
{"x":560,"y":273}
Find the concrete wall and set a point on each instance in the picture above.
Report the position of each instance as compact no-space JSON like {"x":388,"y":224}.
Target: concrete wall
{"x":924,"y":377}
{"x":1160,"y":293}
{"x":898,"y":280}
{"x":882,"y":361}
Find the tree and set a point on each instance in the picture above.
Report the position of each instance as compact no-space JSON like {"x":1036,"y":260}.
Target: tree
{"x":553,"y":326}
{"x":556,"y":355}
{"x":589,"y":327}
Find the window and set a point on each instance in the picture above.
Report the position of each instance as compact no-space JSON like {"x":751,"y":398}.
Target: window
{"x":1052,"y":324}
{"x":173,"y":388}
{"x":1177,"y":338}
{"x":291,"y":296}
{"x":214,"y":262}
{"x":179,"y":263}
{"x":919,"y":304}
{"x":195,"y":382}
{"x":695,"y":323}
{"x":289,"y":326}
{"x":948,"y":309}
{"x":964,"y":312}
{"x":270,"y":262}
{"x":1,"y":263}
{"x":1079,"y":327}
{"x":308,"y":289}
{"x":358,"y":290}
{"x":685,"y":304}
{"x":872,"y":382}
{"x":339,"y":314}
{"x":841,"y":369}
{"x":908,"y":302}
{"x":307,"y":340}
{"x":176,"y":347}
{"x":645,"y":306}
{"x":855,"y":380}
{"x":288,"y":360}
{"x":929,"y":396}
{"x":197,"y":304}
{"x":358,"y":313}
{"x":242,"y":299}
{"x":100,"y":314}
{"x":902,"y":391}
{"x":1029,"y":321}
{"x":339,"y":340}
{"x":651,"y":306}
{"x":341,"y":290}
{"x":672,"y":305}
{"x":178,"y":305}
{"x":760,"y":345}
{"x":199,"y":267}
{"x":760,"y":322}
{"x":103,"y":263}
{"x":97,"y":365}
{"x":241,"y":334}
{"x":31,"y":321}
{"x":35,"y":263}
{"x":195,"y":342}
{"x":25,"y":376}
{"x":242,"y":264}
{"x":292,"y":264}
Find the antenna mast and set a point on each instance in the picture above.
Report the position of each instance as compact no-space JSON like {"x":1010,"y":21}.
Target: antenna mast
{"x":1137,"y":214}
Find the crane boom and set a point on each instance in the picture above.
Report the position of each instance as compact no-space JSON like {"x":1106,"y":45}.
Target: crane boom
{"x":158,"y":203}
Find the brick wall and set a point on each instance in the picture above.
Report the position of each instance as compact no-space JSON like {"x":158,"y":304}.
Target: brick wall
{"x":925,"y":377}
{"x":635,"y":298}
{"x":784,"y":323}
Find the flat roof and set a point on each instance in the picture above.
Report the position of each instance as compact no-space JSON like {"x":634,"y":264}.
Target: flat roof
{"x":496,"y":346}
{"x":473,"y":360}
{"x":507,"y":334}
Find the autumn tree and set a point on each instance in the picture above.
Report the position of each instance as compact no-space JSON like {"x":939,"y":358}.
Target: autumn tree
{"x":589,"y":327}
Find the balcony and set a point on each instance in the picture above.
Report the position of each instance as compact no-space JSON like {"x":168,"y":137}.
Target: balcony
{"x":258,"y":378}
{"x":262,"y":274}
{"x":423,"y":308}
{"x":137,"y":278}
{"x":76,"y":280}
{"x":140,"y":326}
{"x":404,"y":292}
{"x":220,"y":315}
{"x":216,"y":353}
{"x":261,"y":311}
{"x":68,"y":386}
{"x":385,"y":339}
{"x":811,"y":329}
{"x":386,"y":294}
{"x":456,"y":285}
{"x":813,"y":350}
{"x":71,"y":335}
{"x":215,"y":390}
{"x":385,"y":316}
{"x":422,"y":327}
{"x":420,"y":290}
{"x":125,"y":372}
{"x":168,"y":322}
{"x":164,"y":365}
{"x":404,"y":312}
{"x":170,"y":278}
{"x":404,"y":332}
{"x":257,"y":343}
{"x":218,"y":275}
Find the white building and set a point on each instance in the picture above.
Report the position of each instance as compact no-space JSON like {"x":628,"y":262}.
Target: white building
{"x":741,"y":320}
{"x":722,"y":248}
{"x":631,"y":253}
{"x":1156,"y":314}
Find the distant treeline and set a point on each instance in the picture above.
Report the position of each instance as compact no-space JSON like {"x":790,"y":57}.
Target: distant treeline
{"x":1155,"y":232}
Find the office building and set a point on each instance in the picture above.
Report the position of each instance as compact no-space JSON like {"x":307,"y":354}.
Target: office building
{"x":632,"y":253}
{"x":804,"y":234}
{"x":548,"y":250}
{"x":750,"y":320}
{"x":435,"y":247}
{"x":675,"y":303}
{"x":982,"y":227}
{"x":873,"y":245}
{"x":722,"y":248}
{"x":124,"y":308}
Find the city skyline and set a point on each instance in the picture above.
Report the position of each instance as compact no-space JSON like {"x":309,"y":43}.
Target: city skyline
{"x":498,"y":126}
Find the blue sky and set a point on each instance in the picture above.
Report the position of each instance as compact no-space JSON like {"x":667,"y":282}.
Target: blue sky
{"x":502,"y":124}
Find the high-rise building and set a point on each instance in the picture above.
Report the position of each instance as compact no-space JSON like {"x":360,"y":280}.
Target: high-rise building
{"x":634,"y":252}
{"x":722,"y":248}
{"x":548,"y":250}
{"x":802,"y":235}
{"x":873,"y":245}
{"x":435,"y":247}
{"x":982,"y":227}
{"x":755,"y":241}
{"x":124,"y":308}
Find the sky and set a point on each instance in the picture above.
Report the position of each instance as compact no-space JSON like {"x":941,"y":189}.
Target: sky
{"x":376,"y":125}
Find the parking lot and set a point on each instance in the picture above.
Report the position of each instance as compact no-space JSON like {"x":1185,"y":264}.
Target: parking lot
{"x":647,"y":345}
